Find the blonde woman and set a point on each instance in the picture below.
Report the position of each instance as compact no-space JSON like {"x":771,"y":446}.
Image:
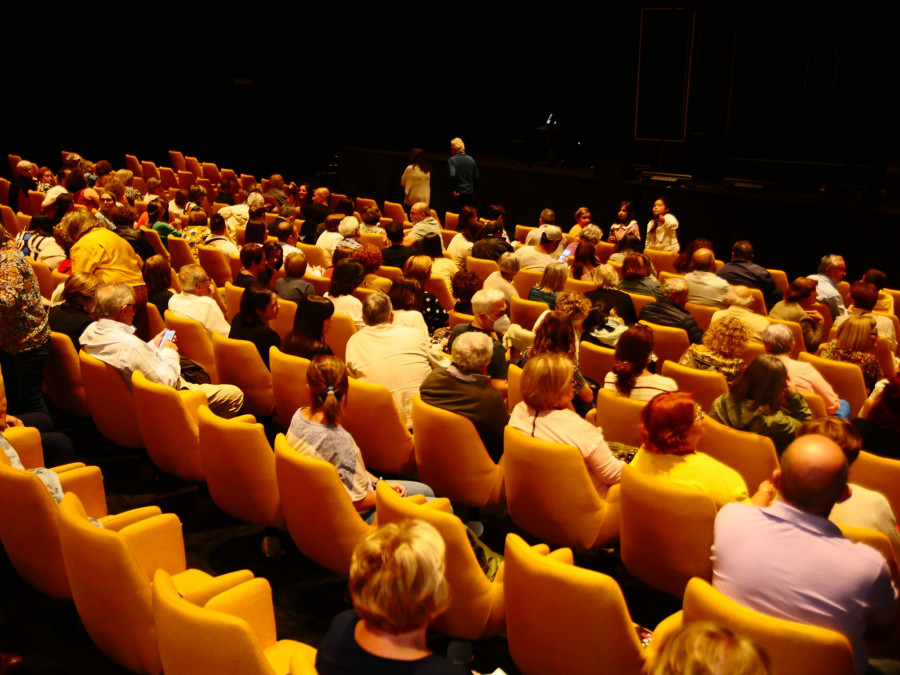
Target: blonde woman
{"x":855,"y":337}
{"x":551,"y":284}
{"x":721,"y":350}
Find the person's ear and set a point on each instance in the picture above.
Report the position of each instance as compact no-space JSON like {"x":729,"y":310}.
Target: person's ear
{"x":776,"y":479}
{"x":845,"y":494}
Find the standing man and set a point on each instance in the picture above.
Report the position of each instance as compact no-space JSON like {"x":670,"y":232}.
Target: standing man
{"x":463,"y":175}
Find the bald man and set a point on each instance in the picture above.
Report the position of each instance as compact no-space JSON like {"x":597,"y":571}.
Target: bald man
{"x":704,"y":287}
{"x":788,"y":561}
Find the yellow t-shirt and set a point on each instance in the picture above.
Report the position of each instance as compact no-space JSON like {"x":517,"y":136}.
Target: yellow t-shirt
{"x":696,"y":470}
{"x":107,"y":256}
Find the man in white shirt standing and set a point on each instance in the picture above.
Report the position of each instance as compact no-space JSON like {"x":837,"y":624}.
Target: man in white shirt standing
{"x":199,"y":300}
{"x":111,"y":339}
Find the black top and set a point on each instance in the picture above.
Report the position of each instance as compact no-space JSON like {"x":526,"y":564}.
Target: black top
{"x":491,"y":248}
{"x":339,"y":654}
{"x":243,"y":280}
{"x":613,"y":297}
{"x":258,"y":333}
{"x":746,"y":273}
{"x":397,"y":255}
{"x":434,"y":314}
{"x":161,"y":300}
{"x":666,"y":313}
{"x":878,"y":441}
{"x":70,"y":321}
{"x":293,"y":289}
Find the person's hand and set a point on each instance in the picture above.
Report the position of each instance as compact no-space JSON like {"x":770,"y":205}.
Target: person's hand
{"x":399,"y":489}
{"x":815,"y":316}
{"x":12,"y":421}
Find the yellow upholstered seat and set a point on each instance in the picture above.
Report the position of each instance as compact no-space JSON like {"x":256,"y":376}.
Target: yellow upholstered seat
{"x":482,"y":268}
{"x":44,"y":277}
{"x":565,"y":620}
{"x":109,"y":400}
{"x":524,"y":280}
{"x":233,"y":295}
{"x":619,"y":417}
{"x":340,"y":330}
{"x":62,"y":377}
{"x":110,"y":572}
{"x":666,"y":532}
{"x":669,"y":343}
{"x":318,"y":512}
{"x":451,"y":458}
{"x":705,"y":385}
{"x":288,"y":384}
{"x":372,"y":419}
{"x":566,"y":510}
{"x":238,"y":363}
{"x":193,"y":342}
{"x":476,"y":604}
{"x":751,"y":455}
{"x":231,"y":632}
{"x":168,"y":422}
{"x":217,"y":265}
{"x":526,"y":312}
{"x":845,"y":378}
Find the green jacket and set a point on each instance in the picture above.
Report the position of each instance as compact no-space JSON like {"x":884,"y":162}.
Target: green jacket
{"x":780,"y":426}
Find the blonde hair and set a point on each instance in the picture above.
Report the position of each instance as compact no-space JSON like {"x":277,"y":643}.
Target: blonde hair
{"x":727,"y":337}
{"x":574,"y":305}
{"x":605,"y":276}
{"x":554,"y":277}
{"x":419,"y":268}
{"x":397,"y":577}
{"x":706,"y":648}
{"x":544,"y":380}
{"x":855,"y":333}
{"x":79,"y":290}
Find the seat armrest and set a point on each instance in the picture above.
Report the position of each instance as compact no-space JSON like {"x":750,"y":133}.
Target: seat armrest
{"x":192,"y":401}
{"x":252,"y":602}
{"x":27,"y":443}
{"x":87,"y":483}
{"x":122,"y":520}
{"x":157,"y":543}
{"x":203,"y":594}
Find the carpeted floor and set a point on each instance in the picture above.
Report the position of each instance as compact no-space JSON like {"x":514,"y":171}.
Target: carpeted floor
{"x":49,"y":634}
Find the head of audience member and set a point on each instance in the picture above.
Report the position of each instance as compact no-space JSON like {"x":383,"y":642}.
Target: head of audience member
{"x":394,"y":233}
{"x":274,"y":255}
{"x":116,"y":302}
{"x":377,"y":309}
{"x":349,"y":228}
{"x":548,"y":217}
{"x":24,"y":168}
{"x":217,"y":224}
{"x":493,"y":229}
{"x":276,"y":181}
{"x":295,"y":265}
{"x":660,"y":207}
{"x":671,"y":424}
{"x":605,"y":276}
{"x":877,"y":277}
{"x":550,"y":237}
{"x":255,"y":198}
{"x":489,"y":309}
{"x":813,"y":475}
{"x":124,"y":176}
{"x":778,"y":339}
{"x":418,"y":267}
{"x":468,"y":224}
{"x":548,"y":382}
{"x":79,"y":291}
{"x":397,"y":582}
{"x":75,"y":181}
{"x":472,"y":352}
{"x":285,"y":232}
{"x":574,"y":307}
{"x":157,"y":273}
{"x":864,"y":295}
{"x":341,"y":253}
{"x":727,"y":337}
{"x":158,"y":211}
{"x":197,"y":219}
{"x":591,"y":234}
{"x":346,"y":278}
{"x":253,"y":259}
{"x":107,"y":201}
{"x":256,"y":232}
{"x":76,"y":224}
{"x":509,"y":265}
{"x":417,"y":158}
{"x":327,"y":381}
{"x":630,"y":243}
{"x":321,"y":196}
{"x":763,"y":384}
{"x":195,"y":281}
{"x":311,"y":322}
{"x":684,"y":263}
{"x":457,"y":147}
{"x":259,"y":304}
{"x":802,"y":291}
{"x":495,"y":212}
{"x":418,"y":211}
{"x":554,"y":278}
{"x":303,"y":194}
{"x":583,"y":217}
{"x":706,"y":647}
{"x":332,"y":222}
{"x":839,"y":430}
{"x":834,"y":267}
{"x":41,"y":225}
{"x":739,"y":296}
{"x":584,"y":259}
{"x":635,"y":267}
{"x":554,"y":335}
{"x":742,"y":250}
{"x":858,"y":333}
{"x":886,"y":410}
{"x":704,"y":260}
{"x":632,"y":355}
{"x":465,"y":284}
{"x":155,"y":187}
{"x":344,"y":207}
{"x":181,"y":198}
{"x":406,"y":294}
{"x":371,"y":216}
{"x":288,"y":212}
{"x":675,"y":289}
{"x":196,"y":194}
{"x":369,"y":256}
{"x":432,"y":245}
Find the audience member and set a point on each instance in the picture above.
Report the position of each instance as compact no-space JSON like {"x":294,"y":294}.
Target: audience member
{"x":292,"y":286}
{"x":797,"y":307}
{"x":630,"y":375}
{"x":669,"y":310}
{"x":662,"y":231}
{"x":740,"y":300}
{"x":199,"y":300}
{"x":832,"y":270}
{"x":73,"y":315}
{"x":501,"y":280}
{"x":311,"y":322}
{"x":742,"y":271}
{"x":855,"y":341}
{"x":722,"y":349}
{"x":864,"y":296}
{"x":705,"y":287}
{"x":423,"y":223}
{"x":489,"y":309}
{"x":396,"y":254}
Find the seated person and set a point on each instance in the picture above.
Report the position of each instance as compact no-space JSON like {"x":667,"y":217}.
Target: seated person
{"x":630,"y":375}
{"x":489,"y":310}
{"x":73,"y":315}
{"x":551,"y":284}
{"x":739,"y":302}
{"x":722,"y":349}
{"x":259,"y":306}
{"x":292,"y":286}
{"x":199,"y":300}
{"x":669,"y":310}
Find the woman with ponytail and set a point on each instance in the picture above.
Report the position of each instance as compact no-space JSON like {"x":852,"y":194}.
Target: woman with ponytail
{"x":630,"y":376}
{"x":316,"y":432}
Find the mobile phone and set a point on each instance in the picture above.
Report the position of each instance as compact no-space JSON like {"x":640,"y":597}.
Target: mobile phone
{"x":169,"y":334}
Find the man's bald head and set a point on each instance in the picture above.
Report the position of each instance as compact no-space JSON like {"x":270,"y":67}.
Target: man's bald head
{"x":740,"y":296}
{"x":321,"y":195}
{"x":813,"y":474}
{"x":704,"y":260}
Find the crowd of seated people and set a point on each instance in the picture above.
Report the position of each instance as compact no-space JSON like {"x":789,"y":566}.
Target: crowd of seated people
{"x":404,"y":340}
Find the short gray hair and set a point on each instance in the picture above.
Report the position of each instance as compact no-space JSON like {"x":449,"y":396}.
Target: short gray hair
{"x":348,"y":227}
{"x":377,"y":309}
{"x":829,"y":261}
{"x":191,"y":276}
{"x":112,"y":298}
{"x":592,"y":233}
{"x":605,"y":276}
{"x":471,"y":351}
{"x":674,"y":286}
{"x":778,"y":339}
{"x":740,"y":296}
{"x":484,"y":301}
{"x":255,"y":199}
{"x":508,"y":262}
